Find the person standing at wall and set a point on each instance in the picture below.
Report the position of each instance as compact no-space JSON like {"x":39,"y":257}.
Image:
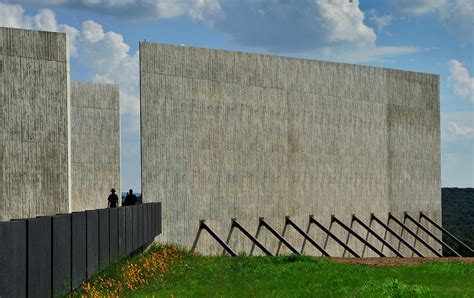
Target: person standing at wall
{"x":130,"y":199}
{"x":113,"y":199}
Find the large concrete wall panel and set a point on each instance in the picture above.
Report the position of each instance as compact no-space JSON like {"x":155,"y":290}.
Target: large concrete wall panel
{"x":33,"y":123}
{"x":95,"y":144}
{"x":228,"y":134}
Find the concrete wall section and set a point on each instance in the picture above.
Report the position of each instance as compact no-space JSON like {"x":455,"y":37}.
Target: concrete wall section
{"x":95,"y":144}
{"x":229,"y":134}
{"x":33,"y":123}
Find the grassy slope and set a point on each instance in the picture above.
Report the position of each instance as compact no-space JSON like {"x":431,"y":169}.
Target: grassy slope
{"x":198,"y":276}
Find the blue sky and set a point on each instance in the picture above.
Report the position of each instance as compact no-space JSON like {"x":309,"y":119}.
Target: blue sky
{"x":433,"y":36}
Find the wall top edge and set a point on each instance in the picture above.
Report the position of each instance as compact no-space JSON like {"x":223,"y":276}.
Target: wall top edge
{"x":33,"y":30}
{"x":93,"y":84}
{"x":155,"y":44}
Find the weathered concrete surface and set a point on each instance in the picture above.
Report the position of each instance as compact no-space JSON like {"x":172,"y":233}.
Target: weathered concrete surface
{"x":229,"y":134}
{"x":95,"y":144}
{"x":33,"y":123}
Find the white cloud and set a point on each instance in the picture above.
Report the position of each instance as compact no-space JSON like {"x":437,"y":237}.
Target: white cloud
{"x":14,"y":16}
{"x":107,"y":57}
{"x":105,"y":54}
{"x":376,"y":54}
{"x":457,"y":126}
{"x":278,"y":26}
{"x":380,"y":21}
{"x":294,"y":26}
{"x":460,"y":130}
{"x":459,"y":19}
{"x":457,"y":147}
{"x":419,"y":7}
{"x":456,"y":15}
{"x":460,"y":81}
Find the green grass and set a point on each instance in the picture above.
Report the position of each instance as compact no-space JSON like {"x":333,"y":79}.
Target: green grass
{"x":302,"y":276}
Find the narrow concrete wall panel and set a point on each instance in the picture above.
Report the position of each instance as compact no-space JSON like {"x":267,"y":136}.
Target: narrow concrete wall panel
{"x":95,"y":144}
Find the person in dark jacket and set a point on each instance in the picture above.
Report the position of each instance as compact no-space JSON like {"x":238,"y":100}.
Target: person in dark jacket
{"x":130,"y":199}
{"x":113,"y":199}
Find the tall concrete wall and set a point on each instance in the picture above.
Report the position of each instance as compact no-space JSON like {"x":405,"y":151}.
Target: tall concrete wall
{"x":95,"y":144}
{"x":33,"y":123}
{"x":230,"y":134}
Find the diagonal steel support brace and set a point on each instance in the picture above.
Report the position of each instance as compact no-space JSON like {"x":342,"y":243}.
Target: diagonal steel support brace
{"x":312,"y":220}
{"x":263,"y":223}
{"x":204,"y":226}
{"x":373,"y":248}
{"x":390,"y":216}
{"x":288,"y":221}
{"x":431,"y":234}
{"x":236,"y":224}
{"x":447,"y":233}
{"x":372,"y":232}
{"x":386,"y":227}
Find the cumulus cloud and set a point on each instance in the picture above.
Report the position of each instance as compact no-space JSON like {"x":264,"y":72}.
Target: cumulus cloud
{"x":14,"y":16}
{"x":138,"y":9}
{"x":460,"y":130}
{"x":419,"y":7}
{"x":376,"y":54}
{"x":457,"y":126}
{"x":104,"y":53}
{"x":459,"y":19}
{"x":460,"y":80}
{"x":293,"y":26}
{"x":379,"y":21}
{"x":278,"y":26}
{"x":107,"y":56}
{"x":456,"y":15}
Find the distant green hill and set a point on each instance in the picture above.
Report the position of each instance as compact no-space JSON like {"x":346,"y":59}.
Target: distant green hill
{"x":458,"y":215}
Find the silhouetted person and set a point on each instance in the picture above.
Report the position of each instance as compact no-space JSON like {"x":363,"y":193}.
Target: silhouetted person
{"x":113,"y":199}
{"x":130,"y":199}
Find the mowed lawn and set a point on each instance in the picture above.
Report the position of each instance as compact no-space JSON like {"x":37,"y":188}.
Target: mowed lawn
{"x":182,"y":274}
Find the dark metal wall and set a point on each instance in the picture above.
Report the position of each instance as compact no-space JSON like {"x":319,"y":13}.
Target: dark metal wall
{"x":45,"y":256}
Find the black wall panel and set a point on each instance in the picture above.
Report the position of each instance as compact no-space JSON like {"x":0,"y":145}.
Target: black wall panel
{"x":158,"y":218}
{"x":13,"y":258}
{"x":78,"y":248}
{"x":145,"y":223}
{"x":43,"y":256}
{"x":104,"y":238}
{"x":92,"y":218}
{"x":140,"y":224}
{"x":128,"y":229}
{"x":153,"y":220}
{"x":39,"y":257}
{"x":114,"y":240}
{"x":135,"y":227}
{"x":122,"y":230}
{"x":61,"y":257}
